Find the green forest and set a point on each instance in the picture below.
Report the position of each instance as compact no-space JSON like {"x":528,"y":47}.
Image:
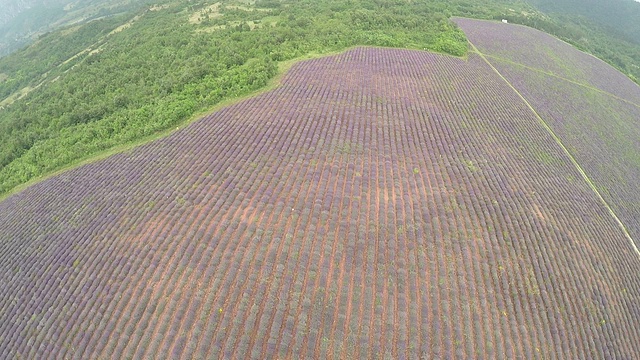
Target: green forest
{"x":84,"y":89}
{"x":621,"y":17}
{"x":23,"y":20}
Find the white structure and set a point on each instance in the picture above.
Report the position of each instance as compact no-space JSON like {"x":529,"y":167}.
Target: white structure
{"x":504,"y":21}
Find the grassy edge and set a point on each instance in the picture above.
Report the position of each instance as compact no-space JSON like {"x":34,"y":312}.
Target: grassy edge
{"x":275,"y":82}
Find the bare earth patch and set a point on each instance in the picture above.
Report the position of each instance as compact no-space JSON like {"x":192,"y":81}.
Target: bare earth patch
{"x":211,"y":11}
{"x":16,"y":96}
{"x":159,"y":7}
{"x":124,"y":26}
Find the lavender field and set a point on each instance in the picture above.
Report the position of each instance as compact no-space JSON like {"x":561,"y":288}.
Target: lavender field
{"x":378,"y":204}
{"x":596,"y":115}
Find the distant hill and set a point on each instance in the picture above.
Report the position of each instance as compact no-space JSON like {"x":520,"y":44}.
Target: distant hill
{"x":379,"y":203}
{"x":622,"y":16}
{"x":22,"y":21}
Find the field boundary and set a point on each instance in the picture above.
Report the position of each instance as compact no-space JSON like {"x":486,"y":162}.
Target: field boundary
{"x":587,"y":86}
{"x":273,"y":83}
{"x":564,"y":148}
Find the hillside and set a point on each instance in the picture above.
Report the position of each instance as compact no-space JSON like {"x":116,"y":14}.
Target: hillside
{"x":622,"y":16}
{"x":80,"y":92}
{"x":379,"y":203}
{"x":592,"y":108}
{"x":23,"y":21}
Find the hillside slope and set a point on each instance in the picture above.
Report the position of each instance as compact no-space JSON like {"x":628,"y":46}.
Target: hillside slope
{"x":92,"y":88}
{"x":23,"y":21}
{"x":591,"y":107}
{"x":378,"y":204}
{"x":623,"y":16}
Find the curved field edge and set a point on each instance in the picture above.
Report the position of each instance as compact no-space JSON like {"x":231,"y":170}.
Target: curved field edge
{"x":127,"y":146}
{"x":52,"y":156}
{"x":91,"y":114}
{"x":273,"y":83}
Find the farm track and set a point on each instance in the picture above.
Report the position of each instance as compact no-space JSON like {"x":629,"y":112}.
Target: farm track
{"x":379,"y":203}
{"x":568,"y":153}
{"x":542,"y":71}
{"x":596,"y":118}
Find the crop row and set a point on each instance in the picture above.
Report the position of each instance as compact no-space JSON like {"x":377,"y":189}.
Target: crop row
{"x":379,"y":203}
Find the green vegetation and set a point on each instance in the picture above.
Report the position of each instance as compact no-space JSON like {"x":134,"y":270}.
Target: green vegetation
{"x":107,"y":87}
{"x":88,"y":88}
{"x":23,"y":21}
{"x":620,"y":16}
